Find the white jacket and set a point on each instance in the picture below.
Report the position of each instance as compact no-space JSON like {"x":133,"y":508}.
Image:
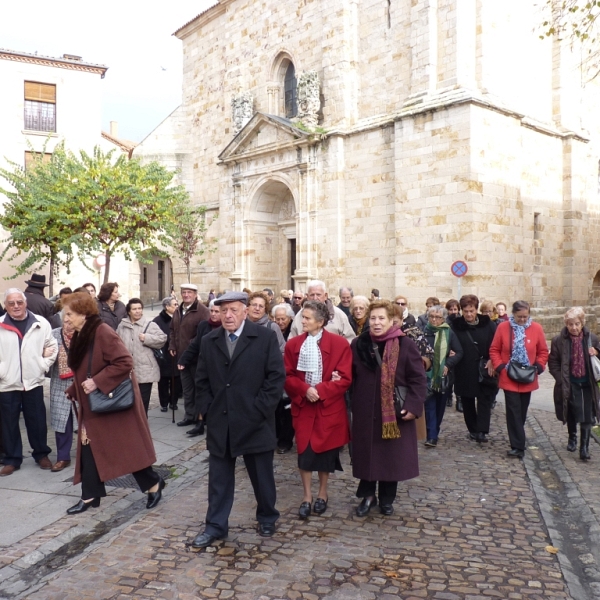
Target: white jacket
{"x":24,"y":368}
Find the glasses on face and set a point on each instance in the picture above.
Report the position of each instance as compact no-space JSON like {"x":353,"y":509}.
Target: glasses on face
{"x":401,"y":303}
{"x":257,"y":306}
{"x":435,"y":317}
{"x":297,"y":297}
{"x":15,"y":303}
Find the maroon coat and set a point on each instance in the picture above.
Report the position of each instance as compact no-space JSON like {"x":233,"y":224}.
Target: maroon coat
{"x":323,"y":423}
{"x":373,"y":458}
{"x":121,"y":441}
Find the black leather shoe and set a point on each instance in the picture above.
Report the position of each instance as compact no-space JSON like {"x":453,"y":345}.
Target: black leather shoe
{"x":449,"y":401}
{"x":154,"y":497}
{"x":431,"y":443}
{"x":514,"y":453}
{"x":320,"y":506}
{"x":283,"y":449}
{"x":198,"y":430}
{"x":362,"y":510}
{"x":163,"y":409}
{"x":304,"y":510}
{"x":82,"y":506}
{"x":173,"y":407}
{"x":459,"y":406}
{"x":386,"y":509}
{"x":266,"y":529}
{"x":186,"y":422}
{"x":472,"y":436}
{"x":203,"y":540}
{"x":482,"y":438}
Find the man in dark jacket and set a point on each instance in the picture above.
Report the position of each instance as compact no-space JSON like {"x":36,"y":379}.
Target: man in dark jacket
{"x":184,"y":326}
{"x":37,"y":303}
{"x":240,"y":379}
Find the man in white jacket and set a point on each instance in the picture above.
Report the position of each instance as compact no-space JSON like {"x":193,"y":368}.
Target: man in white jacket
{"x":27,"y":351}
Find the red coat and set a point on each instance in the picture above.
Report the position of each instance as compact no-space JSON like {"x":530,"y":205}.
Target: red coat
{"x":500,"y":351}
{"x":121,"y":441}
{"x":323,"y":423}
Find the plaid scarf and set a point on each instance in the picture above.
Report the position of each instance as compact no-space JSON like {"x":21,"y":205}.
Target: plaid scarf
{"x":389,"y":363}
{"x":441,"y":347}
{"x":310,"y":360}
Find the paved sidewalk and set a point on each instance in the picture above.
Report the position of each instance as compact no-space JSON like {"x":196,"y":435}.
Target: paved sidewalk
{"x":473,"y":525}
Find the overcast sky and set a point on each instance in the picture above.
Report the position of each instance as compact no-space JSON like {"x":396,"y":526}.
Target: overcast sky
{"x":131,"y":37}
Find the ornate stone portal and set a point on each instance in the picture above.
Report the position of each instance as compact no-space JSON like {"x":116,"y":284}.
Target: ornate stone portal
{"x":308,"y":98}
{"x":241,"y":110}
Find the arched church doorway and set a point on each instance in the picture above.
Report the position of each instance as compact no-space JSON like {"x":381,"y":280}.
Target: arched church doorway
{"x":155,"y":280}
{"x":272,"y":237}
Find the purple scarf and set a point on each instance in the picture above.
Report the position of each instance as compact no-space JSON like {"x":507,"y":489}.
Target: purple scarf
{"x":577,"y":358}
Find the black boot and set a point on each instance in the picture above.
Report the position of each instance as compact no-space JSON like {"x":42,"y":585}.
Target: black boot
{"x":584,"y":448}
{"x":459,"y":406}
{"x":572,"y":443}
{"x":449,"y":400}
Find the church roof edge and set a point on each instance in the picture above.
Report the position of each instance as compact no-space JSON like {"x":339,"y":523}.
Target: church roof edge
{"x":201,"y":17}
{"x":74,"y":64}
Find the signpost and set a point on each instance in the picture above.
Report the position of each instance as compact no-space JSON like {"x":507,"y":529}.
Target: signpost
{"x":459,"y":269}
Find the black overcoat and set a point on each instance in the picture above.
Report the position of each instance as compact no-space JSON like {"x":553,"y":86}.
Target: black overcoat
{"x":239,"y":395}
{"x":373,"y":458}
{"x":466,"y":372}
{"x":168,"y":367}
{"x":559,"y":365}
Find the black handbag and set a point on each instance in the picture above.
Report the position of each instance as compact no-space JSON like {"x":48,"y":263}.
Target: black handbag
{"x":159,"y":355}
{"x":484,"y":376}
{"x":400,"y":391}
{"x":518,"y":372}
{"x":121,"y":398}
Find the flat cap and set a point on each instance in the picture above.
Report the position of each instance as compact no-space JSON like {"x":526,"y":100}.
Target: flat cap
{"x":232,"y":297}
{"x":189,"y":286}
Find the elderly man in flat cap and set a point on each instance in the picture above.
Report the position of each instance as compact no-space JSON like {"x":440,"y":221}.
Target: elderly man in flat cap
{"x":239,"y":380}
{"x":184,"y":325}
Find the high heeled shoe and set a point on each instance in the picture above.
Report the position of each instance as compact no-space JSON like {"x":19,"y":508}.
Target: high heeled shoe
{"x":154,"y":497}
{"x":82,"y":506}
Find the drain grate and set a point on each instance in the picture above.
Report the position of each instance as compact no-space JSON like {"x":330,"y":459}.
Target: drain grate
{"x":128,"y":481}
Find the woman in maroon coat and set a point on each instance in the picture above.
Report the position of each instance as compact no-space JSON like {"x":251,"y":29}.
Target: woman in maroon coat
{"x":318,"y":405}
{"x":109,"y":445}
{"x":384,"y":449}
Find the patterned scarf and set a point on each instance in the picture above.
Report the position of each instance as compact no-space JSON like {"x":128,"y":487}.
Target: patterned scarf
{"x":441,"y":347}
{"x":389,"y":362}
{"x":519,"y":353}
{"x":310,"y":360}
{"x":64,"y":371}
{"x":360,"y":323}
{"x":577,"y":358}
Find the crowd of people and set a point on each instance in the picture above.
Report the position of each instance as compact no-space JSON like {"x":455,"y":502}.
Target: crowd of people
{"x":257,"y":371}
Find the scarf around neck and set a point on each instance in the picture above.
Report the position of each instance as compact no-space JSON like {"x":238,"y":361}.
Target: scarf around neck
{"x":577,"y":357}
{"x":441,"y":347}
{"x":389,"y":363}
{"x":519,"y":352}
{"x":64,"y":371}
{"x":310,"y":360}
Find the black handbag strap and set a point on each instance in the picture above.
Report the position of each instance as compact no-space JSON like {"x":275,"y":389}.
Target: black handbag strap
{"x":476,"y":344}
{"x":378,"y":356}
{"x":146,"y":328}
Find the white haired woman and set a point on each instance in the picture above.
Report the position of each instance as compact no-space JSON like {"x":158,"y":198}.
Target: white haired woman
{"x":576,"y":394}
{"x":359,"y":314}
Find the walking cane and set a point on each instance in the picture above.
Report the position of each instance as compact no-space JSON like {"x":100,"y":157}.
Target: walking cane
{"x":173,"y":367}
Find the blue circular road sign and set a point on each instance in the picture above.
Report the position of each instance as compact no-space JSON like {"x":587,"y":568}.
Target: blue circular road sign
{"x":459,"y":268}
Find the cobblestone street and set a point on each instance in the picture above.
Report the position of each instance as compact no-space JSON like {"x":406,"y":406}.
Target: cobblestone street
{"x":474,"y":524}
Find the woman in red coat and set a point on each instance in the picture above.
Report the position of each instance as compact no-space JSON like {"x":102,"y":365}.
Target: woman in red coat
{"x":522,"y":341}
{"x":318,"y":404}
{"x":111,"y":444}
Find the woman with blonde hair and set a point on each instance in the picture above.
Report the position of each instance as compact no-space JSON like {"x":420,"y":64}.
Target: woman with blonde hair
{"x":359,"y":314}
{"x":576,"y":394}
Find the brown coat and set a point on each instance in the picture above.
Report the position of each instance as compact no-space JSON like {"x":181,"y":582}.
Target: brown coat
{"x":185,"y":327}
{"x":121,"y":441}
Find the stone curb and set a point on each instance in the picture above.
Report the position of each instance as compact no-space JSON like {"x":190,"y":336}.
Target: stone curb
{"x":17,"y":578}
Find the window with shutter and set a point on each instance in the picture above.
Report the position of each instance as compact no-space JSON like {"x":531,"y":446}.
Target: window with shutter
{"x":40,"y":106}
{"x":290,"y":85}
{"x":32,"y":157}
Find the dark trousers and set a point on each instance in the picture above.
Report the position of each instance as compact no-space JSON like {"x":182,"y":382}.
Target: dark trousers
{"x":146,"y":392}
{"x":34,"y":413}
{"x":221,"y":486}
{"x":477,"y":413}
{"x":435,"y":407}
{"x":188,"y":382}
{"x":387,"y":490}
{"x":283,"y":424}
{"x":516,"y":413}
{"x":64,"y":441}
{"x":93,"y":487}
{"x":164,"y":390}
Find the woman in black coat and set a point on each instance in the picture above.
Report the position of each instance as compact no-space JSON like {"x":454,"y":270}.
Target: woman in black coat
{"x":168,"y":371}
{"x":475,"y":334}
{"x":576,"y":394}
{"x":112,"y":310}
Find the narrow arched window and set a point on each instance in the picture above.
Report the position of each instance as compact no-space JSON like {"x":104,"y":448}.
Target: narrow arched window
{"x":291,"y":104}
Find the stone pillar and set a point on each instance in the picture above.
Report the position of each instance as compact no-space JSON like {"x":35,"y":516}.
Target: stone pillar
{"x":424,"y":48}
{"x":239,"y":275}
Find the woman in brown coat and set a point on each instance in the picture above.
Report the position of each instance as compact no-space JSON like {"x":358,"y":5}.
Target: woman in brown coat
{"x":576,"y":394}
{"x":112,"y":444}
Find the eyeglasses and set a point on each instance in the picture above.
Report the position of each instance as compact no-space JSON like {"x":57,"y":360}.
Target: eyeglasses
{"x":16,"y":303}
{"x":401,"y":303}
{"x":257,"y":305}
{"x":298,"y":297}
{"x":435,"y":317}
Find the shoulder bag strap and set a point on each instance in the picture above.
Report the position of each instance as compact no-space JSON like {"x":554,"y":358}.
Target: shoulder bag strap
{"x":147,"y":325}
{"x":378,"y":356}
{"x":476,"y":344}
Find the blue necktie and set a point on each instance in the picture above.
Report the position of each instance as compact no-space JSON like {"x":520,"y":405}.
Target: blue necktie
{"x":233,"y":337}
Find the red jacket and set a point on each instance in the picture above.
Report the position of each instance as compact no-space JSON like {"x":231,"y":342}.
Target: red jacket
{"x":323,"y":423}
{"x":500,"y":351}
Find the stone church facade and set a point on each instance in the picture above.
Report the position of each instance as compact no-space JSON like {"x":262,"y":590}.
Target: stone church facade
{"x":373,"y":143}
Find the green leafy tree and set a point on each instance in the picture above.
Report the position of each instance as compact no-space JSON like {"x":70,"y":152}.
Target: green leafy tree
{"x":39,"y":214}
{"x":124,"y":205}
{"x":188,"y":236}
